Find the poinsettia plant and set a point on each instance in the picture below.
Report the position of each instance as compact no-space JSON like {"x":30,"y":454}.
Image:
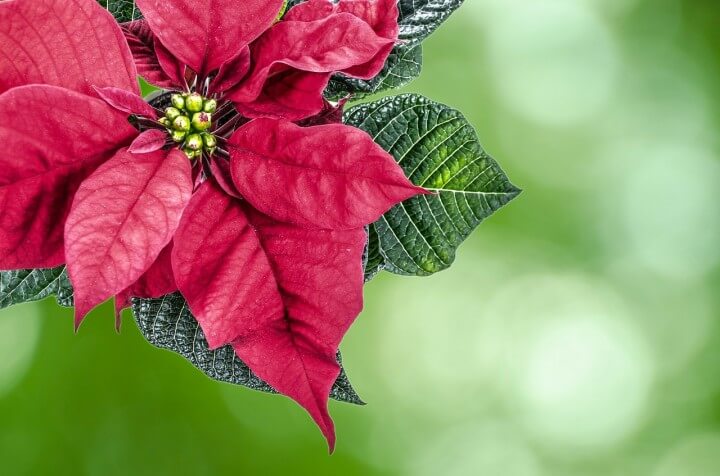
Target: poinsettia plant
{"x":240,"y":207}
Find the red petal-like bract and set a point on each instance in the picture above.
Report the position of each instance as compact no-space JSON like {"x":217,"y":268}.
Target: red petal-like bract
{"x":219,"y":268}
{"x":141,"y":40}
{"x":122,"y":217}
{"x":284,"y":296}
{"x":153,"y":61}
{"x":148,"y":141}
{"x":43,"y":163}
{"x":320,"y":277}
{"x":75,"y":44}
{"x":291,"y":94}
{"x":230,"y":73}
{"x":173,"y":68}
{"x":381,"y":15}
{"x":331,"y":176}
{"x":318,"y":48}
{"x":126,"y":102}
{"x":204,"y":34}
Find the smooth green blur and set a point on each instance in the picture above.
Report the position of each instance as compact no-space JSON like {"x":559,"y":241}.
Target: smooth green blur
{"x":576,"y":335}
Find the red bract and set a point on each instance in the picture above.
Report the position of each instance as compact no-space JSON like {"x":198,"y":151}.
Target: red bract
{"x":248,"y":196}
{"x":339,"y":178}
{"x":122,"y":217}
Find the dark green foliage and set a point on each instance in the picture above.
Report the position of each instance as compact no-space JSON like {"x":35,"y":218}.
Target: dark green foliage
{"x":439,"y":150}
{"x":168,"y":324}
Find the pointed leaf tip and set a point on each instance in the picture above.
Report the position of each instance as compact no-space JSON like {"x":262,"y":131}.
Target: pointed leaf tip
{"x":331,"y":440}
{"x":281,"y":357}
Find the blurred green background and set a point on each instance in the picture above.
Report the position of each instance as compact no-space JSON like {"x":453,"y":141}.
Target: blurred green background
{"x":576,"y":335}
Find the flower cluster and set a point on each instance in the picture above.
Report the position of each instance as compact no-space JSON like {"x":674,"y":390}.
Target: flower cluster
{"x":187,"y":121}
{"x":238,"y":187}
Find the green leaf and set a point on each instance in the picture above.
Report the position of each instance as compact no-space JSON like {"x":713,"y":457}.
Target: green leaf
{"x":168,"y":324}
{"x":403,"y":65}
{"x":419,"y":18}
{"x":374,"y":262}
{"x":439,"y":150}
{"x":122,"y":10}
{"x":27,"y":285}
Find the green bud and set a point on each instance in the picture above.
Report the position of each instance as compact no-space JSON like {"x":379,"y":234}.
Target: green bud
{"x":209,"y":140}
{"x":194,"y":103}
{"x":177,"y":101}
{"x":178,"y":136}
{"x":164,"y":121}
{"x":201,"y":121}
{"x":210,"y":106}
{"x":171,"y":113}
{"x":194,"y":142}
{"x":181,"y":123}
{"x":192,"y":154}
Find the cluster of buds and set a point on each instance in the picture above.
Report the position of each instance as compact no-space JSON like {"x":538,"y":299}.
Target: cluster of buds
{"x":188,"y":120}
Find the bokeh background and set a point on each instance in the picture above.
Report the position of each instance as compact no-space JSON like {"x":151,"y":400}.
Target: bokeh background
{"x":578,"y":333}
